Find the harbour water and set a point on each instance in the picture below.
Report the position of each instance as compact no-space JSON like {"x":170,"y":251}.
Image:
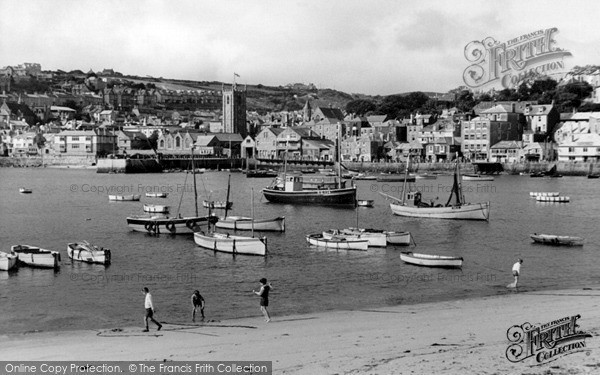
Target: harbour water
{"x":70,"y":205}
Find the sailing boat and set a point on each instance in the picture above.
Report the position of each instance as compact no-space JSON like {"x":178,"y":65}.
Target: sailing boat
{"x":411,"y":204}
{"x":173,"y":225}
{"x":227,"y":243}
{"x":290,"y":189}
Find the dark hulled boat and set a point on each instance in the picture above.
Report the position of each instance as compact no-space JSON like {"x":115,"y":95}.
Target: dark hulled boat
{"x":291,"y":191}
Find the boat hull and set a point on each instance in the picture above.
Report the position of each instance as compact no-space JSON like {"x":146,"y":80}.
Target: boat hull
{"x":36,"y":257}
{"x":218,"y":204}
{"x":167,"y":225}
{"x":246,"y":223}
{"x":129,"y":198}
{"x":365,"y":203}
{"x":535,"y":194}
{"x":337,"y":243}
{"x":157,"y":195}
{"x":373,"y":239}
{"x":345,"y":196}
{"x":467,"y":177}
{"x":77,"y":252}
{"x":231,"y":244}
{"x":549,"y":239}
{"x":7,"y":261}
{"x":156,"y":208}
{"x":476,"y":211}
{"x":557,"y":199}
{"x":427,"y":260}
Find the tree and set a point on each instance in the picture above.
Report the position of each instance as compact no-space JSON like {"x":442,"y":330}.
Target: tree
{"x":465,"y":101}
{"x":571,"y":95}
{"x":39,"y":140}
{"x":153,"y":140}
{"x":360,"y":107}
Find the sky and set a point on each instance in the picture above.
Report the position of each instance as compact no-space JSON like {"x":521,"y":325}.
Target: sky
{"x":374,"y":47}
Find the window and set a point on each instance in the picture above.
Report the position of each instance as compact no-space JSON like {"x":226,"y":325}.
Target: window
{"x":75,"y":139}
{"x":571,"y":149}
{"x":74,"y":146}
{"x":88,"y":139}
{"x":585,"y":149}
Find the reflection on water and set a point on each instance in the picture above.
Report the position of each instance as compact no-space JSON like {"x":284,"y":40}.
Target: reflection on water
{"x":72,"y":205}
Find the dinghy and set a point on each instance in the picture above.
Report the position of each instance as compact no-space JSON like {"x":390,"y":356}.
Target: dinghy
{"x":551,"y":239}
{"x":86,"y":252}
{"x":429,"y":260}
{"x":34,"y":256}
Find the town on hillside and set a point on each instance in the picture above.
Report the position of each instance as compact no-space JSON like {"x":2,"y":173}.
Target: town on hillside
{"x":64,"y":116}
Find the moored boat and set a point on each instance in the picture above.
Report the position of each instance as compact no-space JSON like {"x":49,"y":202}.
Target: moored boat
{"x":426,"y":176}
{"x":34,"y":256}
{"x":7,"y":261}
{"x":131,"y":197}
{"x":157,"y":224}
{"x":217,"y":204}
{"x":374,"y":239}
{"x":429,"y":260}
{"x":157,"y":195}
{"x":25,"y":191}
{"x":227,"y":243}
{"x":385,"y":177}
{"x":86,"y":252}
{"x":412,"y":205}
{"x":553,"y":199}
{"x":534,"y":194}
{"x":247,"y":223}
{"x":292,"y":192}
{"x":261,"y":173}
{"x":551,"y":239}
{"x":335,"y":242}
{"x":156,"y":208}
{"x":477,"y":177}
{"x":365,"y":202}
{"x":362,"y":176}
{"x":392,"y":237}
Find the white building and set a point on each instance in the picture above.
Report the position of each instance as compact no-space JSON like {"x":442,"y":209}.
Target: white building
{"x":581,"y":147}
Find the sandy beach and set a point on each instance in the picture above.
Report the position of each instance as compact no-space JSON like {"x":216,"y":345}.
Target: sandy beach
{"x":452,"y":337}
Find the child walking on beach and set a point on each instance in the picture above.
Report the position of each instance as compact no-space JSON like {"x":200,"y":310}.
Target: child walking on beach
{"x":264,"y":297}
{"x":197,"y":302}
{"x":516,"y":270}
{"x":149,"y":310}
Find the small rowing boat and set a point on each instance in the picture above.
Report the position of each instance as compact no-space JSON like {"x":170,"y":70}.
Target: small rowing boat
{"x":156,"y":208}
{"x":335,"y":242}
{"x":7,"y":261}
{"x":247,"y":223}
{"x":157,"y":195}
{"x":365,"y":202}
{"x":476,"y":177}
{"x":550,"y":239}
{"x":25,"y":191}
{"x":429,"y":260}
{"x":86,"y":252}
{"x":534,"y":194}
{"x":558,"y":199}
{"x":34,"y":256}
{"x":132,"y":197}
{"x":217,"y":204}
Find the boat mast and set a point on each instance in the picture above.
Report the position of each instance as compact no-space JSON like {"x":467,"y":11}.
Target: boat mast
{"x":339,"y":156}
{"x":405,"y":178}
{"x":227,"y":199}
{"x":252,"y":209}
{"x":194,"y":174}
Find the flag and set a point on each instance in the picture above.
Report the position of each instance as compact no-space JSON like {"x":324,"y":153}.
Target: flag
{"x":235,"y":74}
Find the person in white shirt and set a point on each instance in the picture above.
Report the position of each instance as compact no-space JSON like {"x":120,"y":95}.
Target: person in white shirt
{"x":149,"y":310}
{"x":516,"y":270}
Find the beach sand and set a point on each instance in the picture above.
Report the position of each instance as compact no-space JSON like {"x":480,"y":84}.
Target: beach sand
{"x":453,"y":337}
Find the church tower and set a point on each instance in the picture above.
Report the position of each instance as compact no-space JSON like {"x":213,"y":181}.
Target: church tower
{"x":234,"y":110}
{"x":307,"y":111}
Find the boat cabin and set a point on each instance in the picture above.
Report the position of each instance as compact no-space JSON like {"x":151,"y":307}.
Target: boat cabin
{"x":293,"y":183}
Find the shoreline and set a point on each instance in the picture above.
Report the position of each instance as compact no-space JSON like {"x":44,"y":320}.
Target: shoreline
{"x":456,"y":336}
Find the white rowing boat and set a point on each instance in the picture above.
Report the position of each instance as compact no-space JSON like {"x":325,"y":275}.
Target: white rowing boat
{"x":429,"y":260}
{"x":317,"y":239}
{"x":551,"y":239}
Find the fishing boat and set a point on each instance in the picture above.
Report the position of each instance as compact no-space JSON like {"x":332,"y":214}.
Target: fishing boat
{"x":552,"y":173}
{"x":336,"y":242}
{"x":550,"y":239}
{"x":7,"y":261}
{"x":178,"y":224}
{"x":157,"y":195}
{"x":228,"y":243}
{"x":477,"y":177}
{"x":429,"y":260}
{"x":131,"y":197}
{"x":365,"y":202}
{"x":34,"y":256}
{"x":391,"y":237}
{"x":25,"y":191}
{"x":412,"y":205}
{"x":553,"y":199}
{"x":247,"y":223}
{"x":156,"y":208}
{"x":86,"y":252}
{"x":534,"y":194}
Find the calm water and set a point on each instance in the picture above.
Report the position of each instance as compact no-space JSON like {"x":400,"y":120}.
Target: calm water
{"x":63,"y":208}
